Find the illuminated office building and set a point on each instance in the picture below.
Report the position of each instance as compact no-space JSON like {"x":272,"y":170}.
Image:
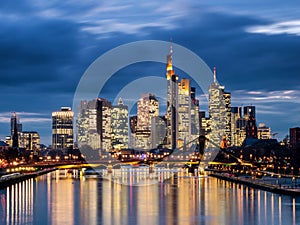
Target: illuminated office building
{"x":218,"y":112}
{"x":227,"y":100}
{"x":184,"y":111}
{"x":241,"y":124}
{"x":263,"y":132}
{"x":172,"y":103}
{"x":236,"y":114}
{"x":62,"y":129}
{"x":119,"y":122}
{"x":94,"y":124}
{"x":30,"y":140}
{"x":188,"y":113}
{"x":147,"y":108}
{"x":104,"y":123}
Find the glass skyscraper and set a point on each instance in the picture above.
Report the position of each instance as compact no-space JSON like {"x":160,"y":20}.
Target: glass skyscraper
{"x":119,"y":116}
{"x":62,"y":129}
{"x":219,"y":112}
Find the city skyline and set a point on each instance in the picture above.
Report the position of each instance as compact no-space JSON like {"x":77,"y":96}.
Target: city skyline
{"x":254,"y":48}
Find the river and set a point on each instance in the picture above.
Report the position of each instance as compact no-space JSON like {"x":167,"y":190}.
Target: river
{"x":61,"y":198}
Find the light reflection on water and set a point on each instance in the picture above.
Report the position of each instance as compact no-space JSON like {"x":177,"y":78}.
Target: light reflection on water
{"x":59,"y":198}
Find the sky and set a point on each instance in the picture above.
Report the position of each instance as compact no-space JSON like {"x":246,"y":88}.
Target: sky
{"x":46,"y":46}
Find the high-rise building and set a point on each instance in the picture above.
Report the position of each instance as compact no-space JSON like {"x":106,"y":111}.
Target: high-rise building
{"x":83,"y":125}
{"x":249,"y":111}
{"x":148,"y":107}
{"x":133,"y":128}
{"x":62,"y":129}
{"x":104,"y":123}
{"x":251,"y":128}
{"x":172,"y":103}
{"x":119,"y":117}
{"x":241,"y":124}
{"x":184,"y":111}
{"x":235,"y":114}
{"x":227,"y":101}
{"x":94,"y":126}
{"x":295,"y":137}
{"x":217,"y":112}
{"x":188,"y":113}
{"x":195,"y":120}
{"x":15,"y":130}
{"x":263,"y":132}
{"x":30,"y":140}
{"x":158,"y":131}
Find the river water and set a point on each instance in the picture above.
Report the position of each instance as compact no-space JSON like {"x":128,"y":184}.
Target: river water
{"x":62,"y":198}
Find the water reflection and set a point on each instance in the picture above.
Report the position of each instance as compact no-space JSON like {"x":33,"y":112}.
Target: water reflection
{"x":69,"y":198}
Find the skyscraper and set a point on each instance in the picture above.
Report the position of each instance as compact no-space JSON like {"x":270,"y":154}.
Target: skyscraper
{"x":184,"y":111}
{"x":295,"y":137}
{"x":62,"y":129}
{"x":104,"y":123}
{"x":158,"y":131}
{"x":148,"y":107}
{"x":249,"y":111}
{"x":119,"y":116}
{"x":172,"y":103}
{"x":133,"y":128}
{"x":217,"y":111}
{"x":251,"y":128}
{"x":227,"y":100}
{"x":188,"y":113}
{"x":15,"y":130}
{"x":236,"y":114}
{"x":94,"y":125}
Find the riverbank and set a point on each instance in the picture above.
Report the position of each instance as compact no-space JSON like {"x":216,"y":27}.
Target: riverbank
{"x":276,"y":187}
{"x":22,"y":177}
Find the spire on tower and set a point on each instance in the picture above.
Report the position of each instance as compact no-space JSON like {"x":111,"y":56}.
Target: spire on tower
{"x":170,"y":70}
{"x":215,"y":75}
{"x":120,"y":102}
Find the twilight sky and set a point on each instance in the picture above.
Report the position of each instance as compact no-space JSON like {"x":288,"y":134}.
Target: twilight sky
{"x":45,"y":47}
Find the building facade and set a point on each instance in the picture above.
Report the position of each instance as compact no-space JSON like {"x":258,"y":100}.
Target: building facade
{"x":172,"y":103}
{"x":147,"y":108}
{"x":15,"y":130}
{"x":263,"y":132}
{"x":218,"y":112}
{"x":62,"y":129}
{"x":30,"y":140}
{"x":94,"y":125}
{"x":251,"y":128}
{"x":295,"y":137}
{"x":119,"y":122}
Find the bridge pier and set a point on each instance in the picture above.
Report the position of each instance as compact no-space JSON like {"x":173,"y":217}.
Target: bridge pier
{"x":151,"y":168}
{"x":109,"y":167}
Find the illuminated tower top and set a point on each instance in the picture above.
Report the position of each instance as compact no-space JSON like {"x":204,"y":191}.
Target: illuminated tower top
{"x":170,"y":70}
{"x":215,"y":75}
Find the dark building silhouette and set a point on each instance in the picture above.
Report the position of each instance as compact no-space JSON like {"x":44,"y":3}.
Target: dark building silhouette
{"x":15,"y":130}
{"x":295,"y":137}
{"x":251,"y":129}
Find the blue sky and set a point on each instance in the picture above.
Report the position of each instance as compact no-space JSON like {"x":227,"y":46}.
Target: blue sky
{"x":45,"y":47}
